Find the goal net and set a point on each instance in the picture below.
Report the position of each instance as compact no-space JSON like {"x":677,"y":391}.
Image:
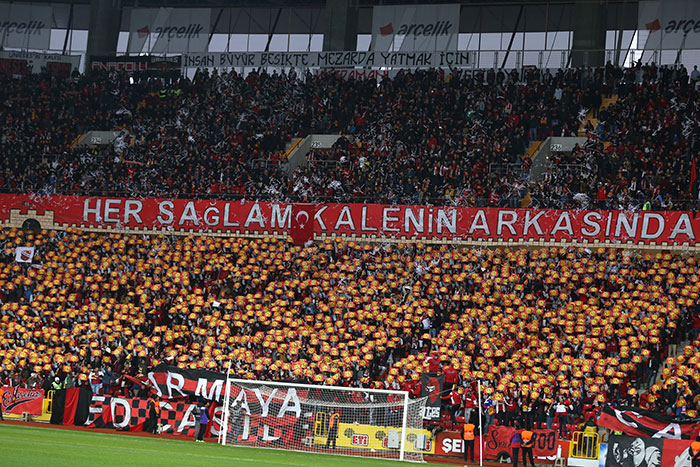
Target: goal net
{"x":329,"y":419}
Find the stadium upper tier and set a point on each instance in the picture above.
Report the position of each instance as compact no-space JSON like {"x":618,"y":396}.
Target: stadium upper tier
{"x":422,"y":137}
{"x":531,"y":324}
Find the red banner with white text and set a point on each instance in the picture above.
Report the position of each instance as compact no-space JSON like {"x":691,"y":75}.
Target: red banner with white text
{"x":368,"y":220}
{"x":20,"y":400}
{"x":497,"y":444}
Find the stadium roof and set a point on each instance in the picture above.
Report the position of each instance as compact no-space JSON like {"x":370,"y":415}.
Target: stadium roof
{"x":322,"y":3}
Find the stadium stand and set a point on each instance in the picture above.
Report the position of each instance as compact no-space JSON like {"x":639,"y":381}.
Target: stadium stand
{"x":423,"y":137}
{"x":587,"y":327}
{"x":193,"y":237}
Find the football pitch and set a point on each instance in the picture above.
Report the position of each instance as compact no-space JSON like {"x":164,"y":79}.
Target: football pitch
{"x":38,"y":446}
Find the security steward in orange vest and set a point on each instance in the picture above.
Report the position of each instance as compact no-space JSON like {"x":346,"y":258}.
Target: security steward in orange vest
{"x":468,"y":437}
{"x":695,"y":453}
{"x":526,"y":447}
{"x":332,"y":430}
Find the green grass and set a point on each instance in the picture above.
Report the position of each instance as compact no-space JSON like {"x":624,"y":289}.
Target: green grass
{"x":39,"y":446}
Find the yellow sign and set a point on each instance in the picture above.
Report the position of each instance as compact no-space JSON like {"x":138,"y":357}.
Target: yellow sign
{"x":373,"y":437}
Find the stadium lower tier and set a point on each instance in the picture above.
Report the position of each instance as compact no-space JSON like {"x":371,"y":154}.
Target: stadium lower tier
{"x":534,"y":326}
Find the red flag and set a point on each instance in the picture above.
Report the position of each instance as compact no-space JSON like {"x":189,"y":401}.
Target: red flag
{"x":143,"y":32}
{"x":302,"y":226}
{"x":386,"y":29}
{"x":693,"y":178}
{"x":653,"y":26}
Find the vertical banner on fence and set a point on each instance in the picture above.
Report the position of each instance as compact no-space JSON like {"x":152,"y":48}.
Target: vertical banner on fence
{"x":431,"y":387}
{"x":169,"y":30}
{"x":415,"y":27}
{"x":25,"y":26}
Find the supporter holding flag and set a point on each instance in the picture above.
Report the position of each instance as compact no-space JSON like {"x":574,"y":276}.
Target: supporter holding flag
{"x":551,"y":412}
{"x":95,"y":380}
{"x":562,"y":412}
{"x":456,"y":403}
{"x":489,"y":410}
{"x":510,"y":410}
{"x":470,"y":403}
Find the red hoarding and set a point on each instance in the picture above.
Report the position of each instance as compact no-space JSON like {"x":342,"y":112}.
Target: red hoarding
{"x":20,"y":400}
{"x":362,"y":220}
{"x":497,"y":443}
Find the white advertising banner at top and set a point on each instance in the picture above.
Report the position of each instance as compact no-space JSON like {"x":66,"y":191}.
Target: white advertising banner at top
{"x":669,"y":24}
{"x":403,"y":28}
{"x":25,"y":26}
{"x":169,"y":30}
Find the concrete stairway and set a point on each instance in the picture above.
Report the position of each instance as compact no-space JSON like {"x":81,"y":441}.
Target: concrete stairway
{"x":532,"y":149}
{"x":594,"y":121}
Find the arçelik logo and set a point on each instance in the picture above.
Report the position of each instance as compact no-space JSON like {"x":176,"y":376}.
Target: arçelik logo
{"x":673,"y":26}
{"x":439,"y":28}
{"x":190,"y":31}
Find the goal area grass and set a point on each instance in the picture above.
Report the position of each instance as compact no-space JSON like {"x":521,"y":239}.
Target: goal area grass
{"x":43,"y":446}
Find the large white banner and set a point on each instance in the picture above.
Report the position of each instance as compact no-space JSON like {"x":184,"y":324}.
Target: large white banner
{"x":25,"y":26}
{"x":415,"y":27}
{"x":169,"y":30}
{"x":348,"y":60}
{"x":669,"y":24}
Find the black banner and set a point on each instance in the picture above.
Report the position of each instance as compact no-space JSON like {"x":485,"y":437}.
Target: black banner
{"x":326,"y":60}
{"x":172,"y":382}
{"x":133,"y":64}
{"x":634,"y":451}
{"x":635,"y":421}
{"x":431,"y":387}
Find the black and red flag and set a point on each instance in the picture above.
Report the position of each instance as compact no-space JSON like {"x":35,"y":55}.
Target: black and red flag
{"x":634,"y":421}
{"x":70,"y":406}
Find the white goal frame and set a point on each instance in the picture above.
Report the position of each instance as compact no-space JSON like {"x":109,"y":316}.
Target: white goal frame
{"x":244,"y":382}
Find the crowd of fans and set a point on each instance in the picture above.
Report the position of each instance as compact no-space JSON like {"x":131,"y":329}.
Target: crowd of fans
{"x":536,"y":327}
{"x":428,"y":136}
{"x":640,"y":151}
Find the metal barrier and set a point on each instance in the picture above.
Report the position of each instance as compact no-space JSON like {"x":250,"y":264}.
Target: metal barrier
{"x":584,"y":445}
{"x":48,"y":402}
{"x":321,"y":424}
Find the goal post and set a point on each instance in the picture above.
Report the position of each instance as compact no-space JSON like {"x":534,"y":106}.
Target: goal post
{"x":360,"y":422}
